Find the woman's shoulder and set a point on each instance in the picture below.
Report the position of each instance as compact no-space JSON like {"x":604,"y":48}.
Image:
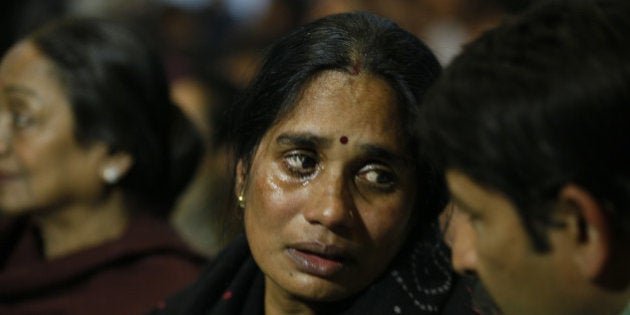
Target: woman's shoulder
{"x":145,"y":265}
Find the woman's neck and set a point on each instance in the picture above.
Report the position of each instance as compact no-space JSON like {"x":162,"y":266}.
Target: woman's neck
{"x":79,"y":226}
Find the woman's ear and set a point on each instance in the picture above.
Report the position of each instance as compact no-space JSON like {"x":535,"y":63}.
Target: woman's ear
{"x":115,"y":166}
{"x":241,"y":174}
{"x":241,"y":182}
{"x":590,"y":228}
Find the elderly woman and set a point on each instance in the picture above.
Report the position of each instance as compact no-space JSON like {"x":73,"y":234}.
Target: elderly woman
{"x":339,"y":207}
{"x":91,"y":160}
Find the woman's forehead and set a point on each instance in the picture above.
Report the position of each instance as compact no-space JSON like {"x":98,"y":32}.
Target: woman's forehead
{"x":341,"y":93}
{"x":346,"y":109}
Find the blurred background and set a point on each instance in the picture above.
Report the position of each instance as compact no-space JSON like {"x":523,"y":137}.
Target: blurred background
{"x":211,"y":49}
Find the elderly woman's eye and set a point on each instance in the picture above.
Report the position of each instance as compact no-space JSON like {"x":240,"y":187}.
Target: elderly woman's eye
{"x":21,"y":120}
{"x":300,"y":164}
{"x":378,"y":176}
{"x":20,"y":114}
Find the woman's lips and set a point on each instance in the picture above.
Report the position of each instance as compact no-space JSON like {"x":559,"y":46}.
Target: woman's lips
{"x":316,"y":259}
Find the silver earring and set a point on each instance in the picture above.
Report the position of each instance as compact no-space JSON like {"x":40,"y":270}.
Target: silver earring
{"x":110,"y":175}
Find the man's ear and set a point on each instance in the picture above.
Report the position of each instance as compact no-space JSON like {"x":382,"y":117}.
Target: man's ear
{"x":591,"y":231}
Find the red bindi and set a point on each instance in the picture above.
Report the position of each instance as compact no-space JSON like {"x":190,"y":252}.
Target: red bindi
{"x":227,"y":295}
{"x":343,"y":139}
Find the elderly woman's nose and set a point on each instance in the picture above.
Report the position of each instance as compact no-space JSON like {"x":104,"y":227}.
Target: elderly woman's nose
{"x":5,"y":133}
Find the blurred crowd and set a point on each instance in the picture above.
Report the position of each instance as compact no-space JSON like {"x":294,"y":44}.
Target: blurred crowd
{"x":211,"y":49}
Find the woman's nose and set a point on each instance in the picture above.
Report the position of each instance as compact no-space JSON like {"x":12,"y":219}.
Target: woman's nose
{"x":463,"y":247}
{"x":332,"y":204}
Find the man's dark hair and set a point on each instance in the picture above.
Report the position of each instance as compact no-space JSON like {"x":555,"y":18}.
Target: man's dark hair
{"x":539,"y":102}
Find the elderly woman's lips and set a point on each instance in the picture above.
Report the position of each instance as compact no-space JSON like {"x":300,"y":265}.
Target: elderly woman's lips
{"x":317,"y":260}
{"x":7,"y":176}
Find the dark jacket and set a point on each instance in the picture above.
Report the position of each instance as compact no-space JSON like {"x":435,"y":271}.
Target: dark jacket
{"x":130,"y":275}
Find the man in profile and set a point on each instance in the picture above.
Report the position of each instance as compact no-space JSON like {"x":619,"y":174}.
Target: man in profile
{"x":531,"y":124}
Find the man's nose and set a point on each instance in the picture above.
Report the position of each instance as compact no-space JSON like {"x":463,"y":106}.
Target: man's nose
{"x":463,"y":247}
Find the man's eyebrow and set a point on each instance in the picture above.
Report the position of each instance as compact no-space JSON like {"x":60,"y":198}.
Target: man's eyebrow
{"x":303,"y":139}
{"x":461,"y":205}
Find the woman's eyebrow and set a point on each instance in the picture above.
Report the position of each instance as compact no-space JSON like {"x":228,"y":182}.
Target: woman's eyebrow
{"x":379,"y":152}
{"x":23,"y":91}
{"x":305,"y":139}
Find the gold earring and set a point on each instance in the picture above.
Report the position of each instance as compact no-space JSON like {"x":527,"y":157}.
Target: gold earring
{"x":241,"y":201}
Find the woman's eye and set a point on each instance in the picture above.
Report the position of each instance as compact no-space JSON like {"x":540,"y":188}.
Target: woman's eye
{"x":300,"y":164}
{"x":22,"y":120}
{"x":379,"y":177}
{"x":21,"y":113}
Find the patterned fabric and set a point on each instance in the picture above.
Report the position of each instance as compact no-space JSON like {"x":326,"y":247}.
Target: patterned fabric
{"x":420,"y":281}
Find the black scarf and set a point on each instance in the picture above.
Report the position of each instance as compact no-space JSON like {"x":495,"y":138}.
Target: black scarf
{"x":419,"y":281}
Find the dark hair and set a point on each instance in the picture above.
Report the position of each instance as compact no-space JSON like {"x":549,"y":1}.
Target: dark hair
{"x":341,"y":42}
{"x":539,"y":102}
{"x":119,"y":95}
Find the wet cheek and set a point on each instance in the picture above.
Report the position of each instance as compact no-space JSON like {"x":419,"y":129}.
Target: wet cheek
{"x":273,"y":201}
{"x":269,"y":220}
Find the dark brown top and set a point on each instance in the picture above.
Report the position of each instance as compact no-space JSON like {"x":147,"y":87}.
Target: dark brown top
{"x":130,"y":275}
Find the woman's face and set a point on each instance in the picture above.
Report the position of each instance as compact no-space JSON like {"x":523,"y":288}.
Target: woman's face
{"x":41,"y":164}
{"x":330,"y":192}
